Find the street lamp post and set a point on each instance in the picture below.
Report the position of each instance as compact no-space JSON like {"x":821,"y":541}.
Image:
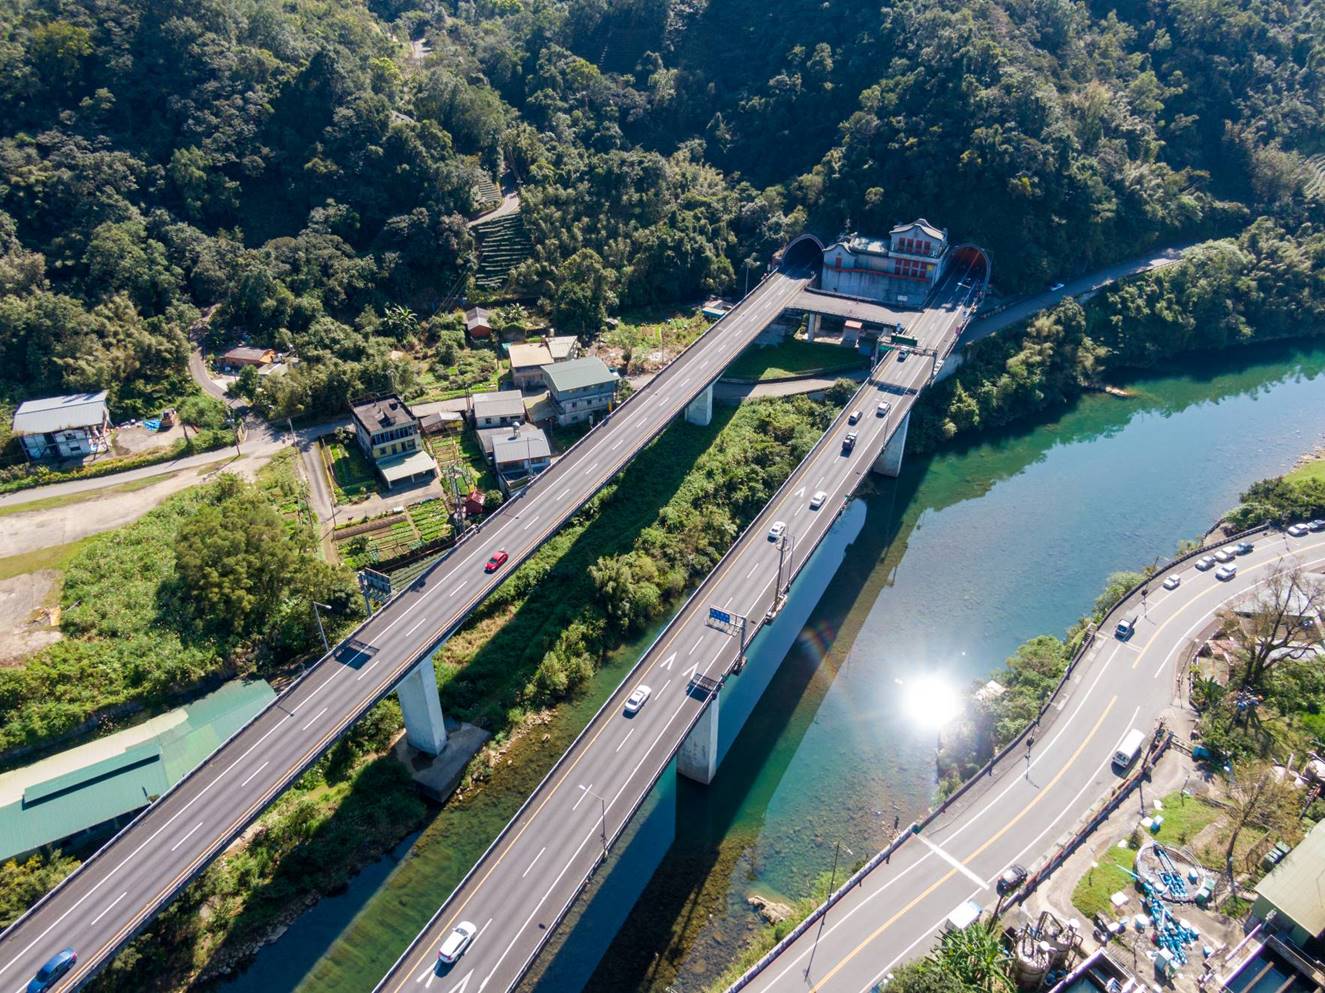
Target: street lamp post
{"x":317,"y":615}
{"x":602,"y":817}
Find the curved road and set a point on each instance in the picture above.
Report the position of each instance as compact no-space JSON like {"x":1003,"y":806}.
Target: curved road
{"x":896,"y":910}
{"x":114,"y":893}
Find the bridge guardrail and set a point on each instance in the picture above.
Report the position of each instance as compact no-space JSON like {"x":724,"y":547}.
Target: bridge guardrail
{"x":987,"y":769}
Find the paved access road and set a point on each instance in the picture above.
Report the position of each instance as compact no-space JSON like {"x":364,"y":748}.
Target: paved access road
{"x":897,"y":909}
{"x":114,"y":893}
{"x":524,"y":884}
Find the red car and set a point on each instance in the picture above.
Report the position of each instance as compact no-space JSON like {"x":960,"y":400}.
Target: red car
{"x":497,"y":561}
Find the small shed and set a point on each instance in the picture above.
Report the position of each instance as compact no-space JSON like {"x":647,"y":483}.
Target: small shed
{"x":477,"y":323}
{"x":243,"y":355}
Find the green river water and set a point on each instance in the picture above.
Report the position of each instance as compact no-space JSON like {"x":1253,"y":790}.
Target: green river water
{"x":970,"y":552}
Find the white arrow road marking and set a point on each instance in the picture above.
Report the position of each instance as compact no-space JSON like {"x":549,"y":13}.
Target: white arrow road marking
{"x":463,"y":983}
{"x":667,"y":662}
{"x":691,"y":670}
{"x":800,"y":493}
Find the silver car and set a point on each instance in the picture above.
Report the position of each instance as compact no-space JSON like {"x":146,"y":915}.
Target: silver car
{"x":456,"y":942}
{"x":1205,"y":563}
{"x":818,"y":499}
{"x":1226,"y":572}
{"x":1172,"y":582}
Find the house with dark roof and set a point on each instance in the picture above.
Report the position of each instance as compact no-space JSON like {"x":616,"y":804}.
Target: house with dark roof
{"x":65,"y":427}
{"x":388,"y":433}
{"x":580,"y":389}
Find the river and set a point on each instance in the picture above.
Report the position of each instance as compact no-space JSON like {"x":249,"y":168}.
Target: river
{"x":970,"y":552}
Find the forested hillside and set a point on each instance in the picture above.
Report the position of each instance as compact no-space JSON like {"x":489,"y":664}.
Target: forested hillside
{"x":298,"y":171}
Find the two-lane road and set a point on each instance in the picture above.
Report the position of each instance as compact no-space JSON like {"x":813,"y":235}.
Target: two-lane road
{"x":114,"y":893}
{"x":522,"y":887}
{"x":898,"y":908}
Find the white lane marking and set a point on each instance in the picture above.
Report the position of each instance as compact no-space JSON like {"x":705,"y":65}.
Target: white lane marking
{"x":314,"y":720}
{"x":583,"y":794}
{"x":753,"y":570}
{"x":110,"y":907}
{"x":619,"y":443}
{"x":960,"y":867}
{"x":625,"y":739}
{"x":366,"y":669}
{"x":535,"y":862}
{"x":667,"y":662}
{"x":462,"y":585}
{"x":699,"y":641}
{"x":592,"y":466}
{"x":464,"y":982}
{"x":728,"y":603}
{"x":820,"y":485}
{"x":563,"y":493}
{"x":186,"y":836}
{"x":532,"y":522}
{"x":250,"y":776}
{"x":664,"y":687}
{"x":418,"y":624}
{"x":691,"y":671}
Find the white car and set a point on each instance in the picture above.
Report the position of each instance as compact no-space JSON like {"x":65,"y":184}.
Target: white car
{"x":456,"y":942}
{"x":1055,"y":287}
{"x":818,"y":499}
{"x":1298,"y":530}
{"x":1224,"y":555}
{"x":778,"y":529}
{"x":854,"y":418}
{"x":1172,"y":582}
{"x":882,"y":409}
{"x":638,"y":699}
{"x":1205,"y":563}
{"x":1226,"y":572}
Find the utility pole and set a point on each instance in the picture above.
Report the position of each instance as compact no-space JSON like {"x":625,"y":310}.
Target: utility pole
{"x":602,"y":817}
{"x":832,"y":882}
{"x":326,"y":648}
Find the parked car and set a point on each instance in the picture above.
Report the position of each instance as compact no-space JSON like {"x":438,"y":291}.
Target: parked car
{"x":848,"y":443}
{"x":460,"y":938}
{"x":818,"y":499}
{"x":1226,"y":572}
{"x":638,"y":699}
{"x":854,"y":417}
{"x":1317,"y":525}
{"x":1224,"y":555}
{"x":1205,"y":563}
{"x":1298,"y":530}
{"x":1011,"y":877}
{"x":882,"y":409}
{"x":54,"y":969}
{"x":1172,"y":582}
{"x":778,"y":529}
{"x":498,"y":560}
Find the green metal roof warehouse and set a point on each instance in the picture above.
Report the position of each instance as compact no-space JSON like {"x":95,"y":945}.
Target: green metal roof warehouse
{"x":76,"y":792}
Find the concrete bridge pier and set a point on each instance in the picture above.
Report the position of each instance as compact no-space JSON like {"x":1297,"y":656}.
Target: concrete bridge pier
{"x":812,"y":327}
{"x":698,"y":756}
{"x":889,"y":462}
{"x":424,"y":727}
{"x":700,"y":410}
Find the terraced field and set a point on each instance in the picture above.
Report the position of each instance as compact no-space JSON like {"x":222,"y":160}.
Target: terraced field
{"x":503,"y":244}
{"x":1315,"y":181}
{"x":486,"y":195}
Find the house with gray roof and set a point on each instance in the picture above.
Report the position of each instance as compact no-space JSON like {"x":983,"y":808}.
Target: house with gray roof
{"x":66,"y":427}
{"x":580,"y":389}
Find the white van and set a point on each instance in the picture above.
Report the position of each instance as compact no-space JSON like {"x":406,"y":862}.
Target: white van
{"x":1129,"y":748}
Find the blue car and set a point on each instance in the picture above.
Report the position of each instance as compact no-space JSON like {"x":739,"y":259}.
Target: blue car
{"x":49,"y":974}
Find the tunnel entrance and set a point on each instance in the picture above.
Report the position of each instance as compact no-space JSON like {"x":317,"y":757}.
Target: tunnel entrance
{"x":805,"y":253}
{"x":973,"y":260}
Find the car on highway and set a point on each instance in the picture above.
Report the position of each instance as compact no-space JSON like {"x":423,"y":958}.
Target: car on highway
{"x":460,"y":938}
{"x":1244,"y":548}
{"x":854,"y":418}
{"x":1298,"y":530}
{"x":1009,"y":879}
{"x":638,"y":699}
{"x":1172,"y":582}
{"x":1125,"y":629}
{"x":902,"y":355}
{"x":54,"y":969}
{"x":778,"y":529}
{"x":1226,"y":572}
{"x":498,"y":560}
{"x":1224,"y":555}
{"x":1055,"y":287}
{"x":818,"y":499}
{"x":882,"y":409}
{"x":848,"y":443}
{"x":1205,"y":563}
{"x":1317,"y":525}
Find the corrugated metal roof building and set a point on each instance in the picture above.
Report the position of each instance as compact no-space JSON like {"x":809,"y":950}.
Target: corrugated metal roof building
{"x":114,"y":777}
{"x":1295,"y":888}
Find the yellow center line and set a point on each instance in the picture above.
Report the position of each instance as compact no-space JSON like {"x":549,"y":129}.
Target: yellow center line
{"x":967,"y":861}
